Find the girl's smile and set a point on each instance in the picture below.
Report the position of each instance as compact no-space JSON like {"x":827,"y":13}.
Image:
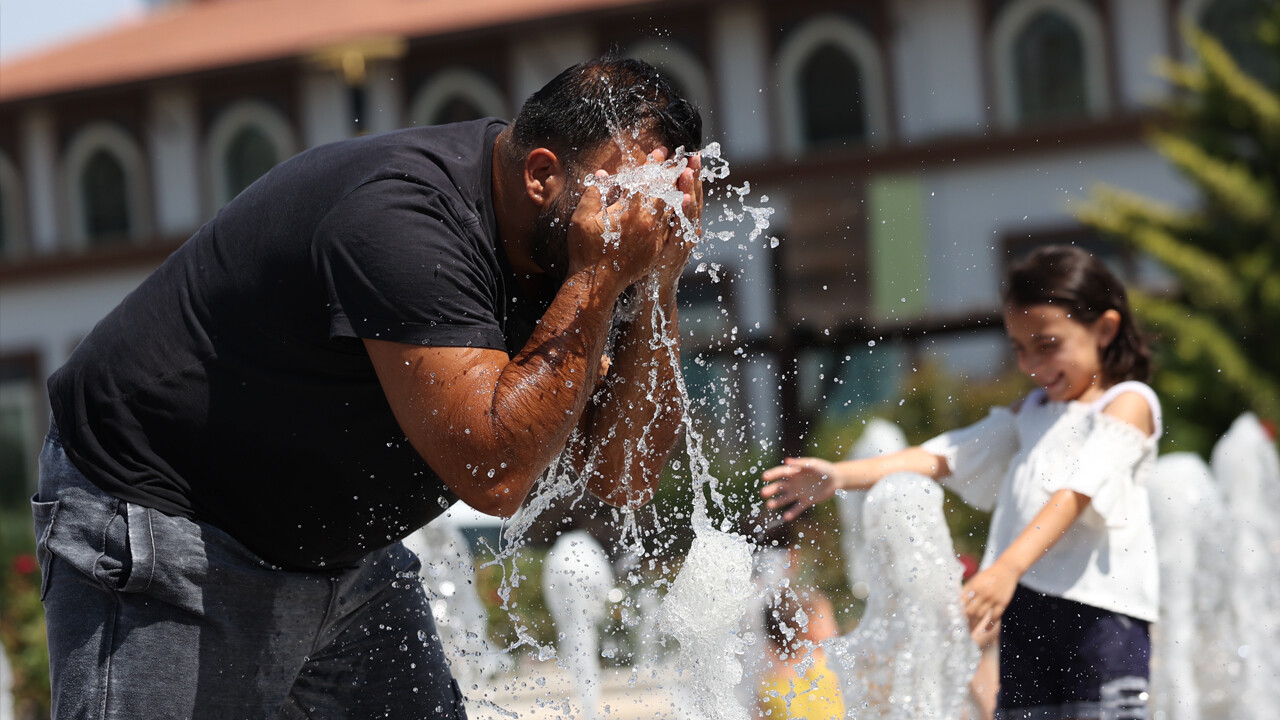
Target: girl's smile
{"x":1062,"y":354}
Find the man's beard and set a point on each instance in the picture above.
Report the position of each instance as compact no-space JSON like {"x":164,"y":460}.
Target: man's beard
{"x":550,"y":240}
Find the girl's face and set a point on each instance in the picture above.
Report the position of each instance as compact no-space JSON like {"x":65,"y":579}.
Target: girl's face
{"x":1061,"y":354}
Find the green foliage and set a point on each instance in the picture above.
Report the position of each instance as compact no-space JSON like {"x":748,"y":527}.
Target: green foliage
{"x":22,"y":628}
{"x":1218,"y":352}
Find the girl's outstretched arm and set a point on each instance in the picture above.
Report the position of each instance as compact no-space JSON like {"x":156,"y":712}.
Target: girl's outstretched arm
{"x":988,"y":593}
{"x":799,"y":483}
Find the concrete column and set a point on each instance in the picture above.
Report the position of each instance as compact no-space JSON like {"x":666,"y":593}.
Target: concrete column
{"x":173,"y":136}
{"x":384,"y":98}
{"x":738,"y":47}
{"x":1141,"y":27}
{"x":326,"y":108}
{"x":937,"y":68}
{"x":40,"y":158}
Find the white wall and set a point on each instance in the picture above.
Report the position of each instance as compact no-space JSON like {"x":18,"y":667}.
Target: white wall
{"x":49,"y":318}
{"x":938,"y":68}
{"x":1142,"y":26}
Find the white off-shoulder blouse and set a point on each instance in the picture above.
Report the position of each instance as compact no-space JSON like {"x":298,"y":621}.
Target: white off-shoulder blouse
{"x":1015,"y":459}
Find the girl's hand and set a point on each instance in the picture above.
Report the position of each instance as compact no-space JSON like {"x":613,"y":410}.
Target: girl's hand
{"x":987,"y":594}
{"x":797,"y":484}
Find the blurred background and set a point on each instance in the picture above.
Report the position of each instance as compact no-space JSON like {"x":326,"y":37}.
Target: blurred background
{"x":910,"y":149}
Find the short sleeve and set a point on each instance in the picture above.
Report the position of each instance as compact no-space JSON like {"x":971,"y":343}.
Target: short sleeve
{"x":399,"y":263}
{"x":1107,"y":467}
{"x":978,"y":456}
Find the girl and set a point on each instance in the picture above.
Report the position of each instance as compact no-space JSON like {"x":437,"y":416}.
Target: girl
{"x":1070,"y":565}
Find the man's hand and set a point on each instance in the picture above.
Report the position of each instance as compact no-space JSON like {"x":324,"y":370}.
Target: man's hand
{"x":646,"y":231}
{"x":675,"y":256}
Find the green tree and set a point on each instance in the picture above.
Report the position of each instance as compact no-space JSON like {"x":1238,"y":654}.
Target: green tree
{"x":1218,"y":335}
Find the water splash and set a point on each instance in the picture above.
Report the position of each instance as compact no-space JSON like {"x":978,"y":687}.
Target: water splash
{"x":576,"y":578}
{"x":911,"y":656}
{"x":1193,"y":658}
{"x":706,"y":625}
{"x":879,"y":438}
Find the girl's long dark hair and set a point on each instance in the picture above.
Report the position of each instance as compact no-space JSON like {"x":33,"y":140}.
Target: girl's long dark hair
{"x":1070,"y":278}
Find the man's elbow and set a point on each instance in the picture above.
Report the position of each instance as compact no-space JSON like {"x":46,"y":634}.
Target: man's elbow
{"x":500,"y":496}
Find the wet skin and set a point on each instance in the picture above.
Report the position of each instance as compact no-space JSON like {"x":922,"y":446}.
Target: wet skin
{"x":489,"y":424}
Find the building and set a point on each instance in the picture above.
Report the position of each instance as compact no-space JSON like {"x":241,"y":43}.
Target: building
{"x":907,"y":147}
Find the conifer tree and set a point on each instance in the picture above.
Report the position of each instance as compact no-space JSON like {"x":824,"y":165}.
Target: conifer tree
{"x":1218,"y":335}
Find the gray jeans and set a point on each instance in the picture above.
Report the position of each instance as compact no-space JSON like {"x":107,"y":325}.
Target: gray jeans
{"x":153,"y":616}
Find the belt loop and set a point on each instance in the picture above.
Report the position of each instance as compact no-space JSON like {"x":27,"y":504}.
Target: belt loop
{"x":142,"y":549}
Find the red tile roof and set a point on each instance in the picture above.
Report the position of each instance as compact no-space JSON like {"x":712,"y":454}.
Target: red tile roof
{"x":201,"y":36}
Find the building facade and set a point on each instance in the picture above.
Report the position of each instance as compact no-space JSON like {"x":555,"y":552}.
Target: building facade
{"x":907,"y":148}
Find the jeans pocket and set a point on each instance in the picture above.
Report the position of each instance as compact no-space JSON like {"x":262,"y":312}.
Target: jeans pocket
{"x":43,"y":513}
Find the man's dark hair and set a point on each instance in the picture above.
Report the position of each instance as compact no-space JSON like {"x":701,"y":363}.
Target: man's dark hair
{"x":591,"y":102}
{"x":1072,"y":279}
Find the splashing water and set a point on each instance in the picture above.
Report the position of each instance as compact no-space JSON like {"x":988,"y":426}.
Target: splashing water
{"x":706,"y":602}
{"x":911,"y":656}
{"x":576,"y":579}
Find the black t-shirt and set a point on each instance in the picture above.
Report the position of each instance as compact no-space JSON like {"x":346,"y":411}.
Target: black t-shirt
{"x":233,"y":387}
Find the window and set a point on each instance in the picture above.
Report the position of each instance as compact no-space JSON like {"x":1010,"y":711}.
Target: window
{"x":831,"y":90}
{"x":12,"y":240}
{"x":1236,"y":23}
{"x":245,"y":141}
{"x":455,"y":95}
{"x":20,"y":418}
{"x":105,"y":182}
{"x":832,"y":86}
{"x":249,"y":156}
{"x":1049,"y":65}
{"x":1049,"y":60}
{"x":106,"y":201}
{"x":456,"y":109}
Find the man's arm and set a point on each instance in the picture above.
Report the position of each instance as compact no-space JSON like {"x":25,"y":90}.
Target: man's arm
{"x":489,"y":424}
{"x":632,"y":424}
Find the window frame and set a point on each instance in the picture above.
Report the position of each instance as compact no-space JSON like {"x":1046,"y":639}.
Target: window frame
{"x":1008,"y":27}
{"x":865,"y":53}
{"x":113,"y":139}
{"x":449,"y":83}
{"x":228,"y":124}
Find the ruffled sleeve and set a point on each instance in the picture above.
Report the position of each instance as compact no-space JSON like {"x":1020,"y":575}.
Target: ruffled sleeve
{"x":978,"y":456}
{"x":1108,"y":466}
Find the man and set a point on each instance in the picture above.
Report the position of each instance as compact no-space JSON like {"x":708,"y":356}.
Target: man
{"x":374,"y":329}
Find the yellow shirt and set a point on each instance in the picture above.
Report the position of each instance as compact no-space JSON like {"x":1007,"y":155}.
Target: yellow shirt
{"x":812,"y":696}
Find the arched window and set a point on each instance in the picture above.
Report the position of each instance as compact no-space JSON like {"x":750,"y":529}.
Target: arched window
{"x":1049,"y":58}
{"x":831,"y":97}
{"x":685,"y":72}
{"x":105,"y":185}
{"x":245,"y":141}
{"x":12,"y":225}
{"x":1235,"y":24}
{"x":832,"y":86}
{"x":106,"y":199}
{"x":455,"y":95}
{"x":249,"y":156}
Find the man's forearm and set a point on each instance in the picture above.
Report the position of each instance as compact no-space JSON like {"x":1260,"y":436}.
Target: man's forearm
{"x":634,"y":423}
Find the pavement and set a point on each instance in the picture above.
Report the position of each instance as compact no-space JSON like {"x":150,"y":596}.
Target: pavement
{"x":544,"y":691}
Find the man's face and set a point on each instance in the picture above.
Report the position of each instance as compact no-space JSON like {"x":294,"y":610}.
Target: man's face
{"x":550,"y":238}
